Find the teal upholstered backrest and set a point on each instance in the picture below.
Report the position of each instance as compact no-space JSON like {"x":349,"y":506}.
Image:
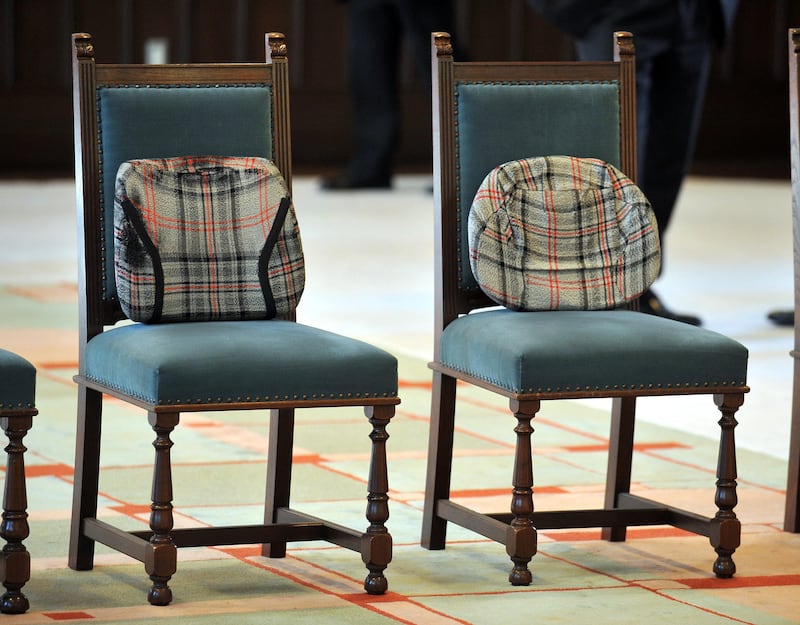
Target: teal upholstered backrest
{"x":140,"y":121}
{"x":500,"y":121}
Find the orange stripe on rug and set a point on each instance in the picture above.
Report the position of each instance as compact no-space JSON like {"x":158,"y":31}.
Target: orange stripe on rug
{"x":52,"y":293}
{"x":48,"y":470}
{"x":741,"y":582}
{"x":409,"y":384}
{"x":241,"y":553}
{"x":493,"y":492}
{"x":363,"y":598}
{"x":637,"y":446}
{"x":632,"y":533}
{"x":71,"y":364}
{"x":67,"y":616}
{"x":131,"y":509}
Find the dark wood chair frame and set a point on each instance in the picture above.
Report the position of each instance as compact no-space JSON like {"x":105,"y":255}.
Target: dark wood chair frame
{"x":791,"y":521}
{"x":157,"y":547}
{"x":15,"y":562}
{"x":517,"y":529}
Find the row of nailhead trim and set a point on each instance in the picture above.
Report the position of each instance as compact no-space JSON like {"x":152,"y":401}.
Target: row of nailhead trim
{"x":239,"y":399}
{"x":231,"y":400}
{"x":617,"y":387}
{"x":199,"y":85}
{"x":607,"y":387}
{"x":21,"y":404}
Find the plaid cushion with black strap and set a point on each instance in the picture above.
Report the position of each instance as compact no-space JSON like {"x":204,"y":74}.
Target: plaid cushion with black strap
{"x":562,"y":233}
{"x":201,"y":238}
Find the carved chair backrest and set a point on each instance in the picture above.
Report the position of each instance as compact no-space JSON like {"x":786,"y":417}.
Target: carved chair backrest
{"x":125,"y":112}
{"x":485,"y":114}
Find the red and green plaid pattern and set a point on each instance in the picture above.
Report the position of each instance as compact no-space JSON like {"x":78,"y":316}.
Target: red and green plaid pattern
{"x":562,"y":233}
{"x":205,"y":238}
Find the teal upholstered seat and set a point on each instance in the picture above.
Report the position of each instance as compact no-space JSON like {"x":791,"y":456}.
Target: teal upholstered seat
{"x":488,"y":114}
{"x":17,"y":409}
{"x":17,"y":382}
{"x":590,"y":351}
{"x":150,"y":113}
{"x":239,"y":362}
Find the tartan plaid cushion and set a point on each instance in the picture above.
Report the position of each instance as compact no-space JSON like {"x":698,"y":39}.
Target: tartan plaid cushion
{"x":202,"y":238}
{"x":562,"y":233}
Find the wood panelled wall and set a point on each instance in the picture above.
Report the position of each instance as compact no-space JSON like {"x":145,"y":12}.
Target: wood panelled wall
{"x":744,"y":131}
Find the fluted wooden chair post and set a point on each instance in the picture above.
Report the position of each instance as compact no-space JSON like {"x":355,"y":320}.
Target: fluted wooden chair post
{"x":791,"y":521}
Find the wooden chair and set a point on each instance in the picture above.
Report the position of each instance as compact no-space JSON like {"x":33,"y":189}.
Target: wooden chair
{"x":17,"y":409}
{"x":792,"y":515}
{"x":125,"y":112}
{"x":486,"y":114}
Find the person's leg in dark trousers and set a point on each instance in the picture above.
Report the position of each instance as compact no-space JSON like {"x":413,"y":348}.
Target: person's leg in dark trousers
{"x":420,"y":18}
{"x":377,"y":31}
{"x":670,"y":89}
{"x":671,"y":76}
{"x":372,"y":57}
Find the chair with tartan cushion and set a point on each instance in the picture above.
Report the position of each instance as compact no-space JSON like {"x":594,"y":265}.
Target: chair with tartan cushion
{"x":190,"y":270}
{"x":17,"y":409}
{"x":536,"y":209}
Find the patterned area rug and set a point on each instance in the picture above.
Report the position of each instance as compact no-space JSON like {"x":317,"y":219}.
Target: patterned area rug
{"x":659,"y":575}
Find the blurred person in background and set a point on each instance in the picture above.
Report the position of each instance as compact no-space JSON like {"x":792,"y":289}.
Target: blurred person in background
{"x":674,"y":41}
{"x":377,"y":29}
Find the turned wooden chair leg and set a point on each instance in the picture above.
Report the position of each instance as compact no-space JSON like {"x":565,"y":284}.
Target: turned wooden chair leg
{"x":376,"y":542}
{"x":725,"y":533}
{"x":440,"y":460}
{"x":279,"y":473}
{"x":521,"y":535}
{"x":162,"y":558}
{"x":16,"y":561}
{"x":620,"y":459}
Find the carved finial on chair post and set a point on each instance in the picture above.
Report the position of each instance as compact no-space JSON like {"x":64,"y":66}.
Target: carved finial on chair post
{"x":443,"y":44}
{"x":276,"y":45}
{"x":624,"y":44}
{"x":625,"y":55}
{"x":84,"y":48}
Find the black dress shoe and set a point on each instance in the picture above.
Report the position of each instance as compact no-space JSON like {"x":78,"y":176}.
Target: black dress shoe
{"x":782,"y":317}
{"x":650,"y":304}
{"x":343,"y":182}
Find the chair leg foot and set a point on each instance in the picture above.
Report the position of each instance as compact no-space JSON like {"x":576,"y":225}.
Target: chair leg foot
{"x":376,"y":553}
{"x":375,"y":582}
{"x":520,"y":575}
{"x":16,"y":565}
{"x":724,"y":565}
{"x":14,"y":602}
{"x":160,"y":593}
{"x":83,"y":559}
